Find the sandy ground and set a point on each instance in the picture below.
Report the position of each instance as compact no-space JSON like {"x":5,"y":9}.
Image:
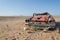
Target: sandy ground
{"x":11,"y":28}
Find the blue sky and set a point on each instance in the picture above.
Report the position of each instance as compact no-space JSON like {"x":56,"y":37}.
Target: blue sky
{"x":28,"y":7}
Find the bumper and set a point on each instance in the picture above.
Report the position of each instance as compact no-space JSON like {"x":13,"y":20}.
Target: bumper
{"x":52,"y":25}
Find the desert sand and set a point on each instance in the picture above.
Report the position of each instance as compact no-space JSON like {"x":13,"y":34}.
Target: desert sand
{"x":12,"y":28}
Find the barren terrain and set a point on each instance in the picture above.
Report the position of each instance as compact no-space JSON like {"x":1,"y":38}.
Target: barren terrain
{"x":11,"y":28}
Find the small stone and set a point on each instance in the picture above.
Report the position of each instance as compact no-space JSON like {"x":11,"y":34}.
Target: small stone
{"x":19,"y":33}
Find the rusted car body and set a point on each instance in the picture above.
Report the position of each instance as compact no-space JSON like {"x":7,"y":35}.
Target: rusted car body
{"x":42,"y":20}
